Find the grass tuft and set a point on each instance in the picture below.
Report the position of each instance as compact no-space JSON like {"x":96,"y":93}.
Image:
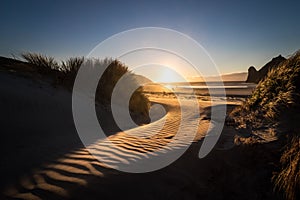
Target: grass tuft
{"x":72,"y":65}
{"x":273,"y":97}
{"x":275,"y":105}
{"x":45,"y":63}
{"x":64,"y":74}
{"x":288,"y":179}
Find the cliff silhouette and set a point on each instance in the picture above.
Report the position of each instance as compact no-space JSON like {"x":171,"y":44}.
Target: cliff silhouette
{"x":255,"y":76}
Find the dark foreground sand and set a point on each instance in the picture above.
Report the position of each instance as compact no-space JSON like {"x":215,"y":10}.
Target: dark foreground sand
{"x":43,"y":157}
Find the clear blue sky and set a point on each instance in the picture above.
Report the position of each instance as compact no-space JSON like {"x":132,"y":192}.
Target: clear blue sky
{"x":237,"y":34}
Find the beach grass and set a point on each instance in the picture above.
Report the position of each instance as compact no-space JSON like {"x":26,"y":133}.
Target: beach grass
{"x":64,"y":74}
{"x":288,"y":179}
{"x":273,"y":98}
{"x":45,"y":63}
{"x":274,"y":106}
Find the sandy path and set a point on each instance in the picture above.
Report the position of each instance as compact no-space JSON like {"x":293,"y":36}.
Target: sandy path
{"x":142,"y":145}
{"x":61,"y":177}
{"x":43,"y":157}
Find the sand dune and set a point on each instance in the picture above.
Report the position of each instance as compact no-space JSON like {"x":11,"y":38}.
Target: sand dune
{"x":76,"y":168}
{"x":38,"y":127}
{"x":43,"y":157}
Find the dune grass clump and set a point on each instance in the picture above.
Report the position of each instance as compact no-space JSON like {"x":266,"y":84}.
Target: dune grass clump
{"x":113,"y":72}
{"x":275,"y":105}
{"x":48,"y":63}
{"x":273,"y":97}
{"x":64,"y":74}
{"x":288,"y":179}
{"x":45,"y":63}
{"x":138,"y":103}
{"x":72,"y":65}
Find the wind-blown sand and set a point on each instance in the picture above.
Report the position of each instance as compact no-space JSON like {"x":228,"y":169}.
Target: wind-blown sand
{"x":43,"y":158}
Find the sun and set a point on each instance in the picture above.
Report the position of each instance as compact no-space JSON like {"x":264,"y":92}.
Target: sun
{"x":168,"y":75}
{"x":162,"y":73}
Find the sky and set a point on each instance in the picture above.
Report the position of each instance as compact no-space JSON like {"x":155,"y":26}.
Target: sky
{"x":236,"y":34}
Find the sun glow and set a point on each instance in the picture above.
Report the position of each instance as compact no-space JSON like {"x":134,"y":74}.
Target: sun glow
{"x":159,"y":66}
{"x":160,"y":73}
{"x":168,"y":75}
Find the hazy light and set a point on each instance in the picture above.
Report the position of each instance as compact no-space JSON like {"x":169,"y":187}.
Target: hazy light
{"x":160,"y":74}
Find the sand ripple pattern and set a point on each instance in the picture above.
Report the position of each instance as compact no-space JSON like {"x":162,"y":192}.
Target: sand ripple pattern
{"x":60,"y":178}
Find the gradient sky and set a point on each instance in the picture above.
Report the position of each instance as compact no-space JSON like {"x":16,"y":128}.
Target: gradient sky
{"x":237,"y":34}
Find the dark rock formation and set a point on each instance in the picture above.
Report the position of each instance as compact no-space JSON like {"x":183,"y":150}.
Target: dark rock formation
{"x":255,"y":76}
{"x":252,"y":75}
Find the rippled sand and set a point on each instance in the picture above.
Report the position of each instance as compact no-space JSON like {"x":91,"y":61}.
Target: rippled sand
{"x":48,"y":161}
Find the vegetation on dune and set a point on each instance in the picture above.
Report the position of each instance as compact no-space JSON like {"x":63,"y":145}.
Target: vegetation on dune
{"x":275,"y":105}
{"x":275,"y":99}
{"x":71,"y":65}
{"x":64,"y":74}
{"x":138,"y":104}
{"x":47,"y":63}
{"x":44,"y":63}
{"x":288,"y":179}
{"x":110,"y":77}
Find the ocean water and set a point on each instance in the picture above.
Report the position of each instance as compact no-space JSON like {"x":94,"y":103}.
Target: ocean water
{"x":232,"y":88}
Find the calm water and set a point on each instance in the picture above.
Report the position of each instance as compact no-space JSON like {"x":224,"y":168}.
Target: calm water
{"x":236,"y":88}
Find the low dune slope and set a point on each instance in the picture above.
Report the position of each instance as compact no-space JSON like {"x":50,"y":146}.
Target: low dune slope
{"x":272,"y":113}
{"x":273,"y":108}
{"x":43,"y":153}
{"x":36,"y":125}
{"x":43,"y":157}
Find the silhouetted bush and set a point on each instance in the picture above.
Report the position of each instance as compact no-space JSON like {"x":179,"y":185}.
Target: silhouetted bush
{"x":288,"y":179}
{"x":273,"y":97}
{"x":45,"y":63}
{"x":72,"y":64}
{"x":275,"y":105}
{"x":64,"y":74}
